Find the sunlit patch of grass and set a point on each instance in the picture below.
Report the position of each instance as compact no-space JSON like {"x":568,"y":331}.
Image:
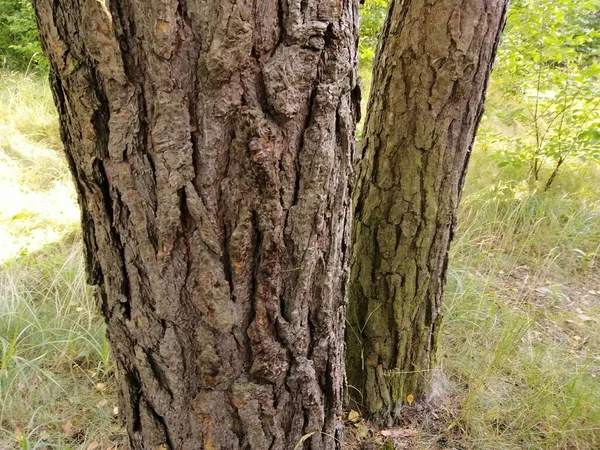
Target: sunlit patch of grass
{"x":28,"y":108}
{"x":37,"y":201}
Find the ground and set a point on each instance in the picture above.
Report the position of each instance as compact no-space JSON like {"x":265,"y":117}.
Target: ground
{"x":519,"y":352}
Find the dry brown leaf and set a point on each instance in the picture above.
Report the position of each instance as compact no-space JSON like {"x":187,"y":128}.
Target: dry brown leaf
{"x":68,"y":428}
{"x":93,"y":446}
{"x":399,"y":432}
{"x":379,"y":440}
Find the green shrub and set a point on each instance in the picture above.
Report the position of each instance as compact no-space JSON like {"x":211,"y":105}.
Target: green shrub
{"x":19,"y":44}
{"x":545,"y":86}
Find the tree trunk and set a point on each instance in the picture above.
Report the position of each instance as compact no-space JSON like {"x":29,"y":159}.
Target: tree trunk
{"x":211,"y":145}
{"x":429,"y":82}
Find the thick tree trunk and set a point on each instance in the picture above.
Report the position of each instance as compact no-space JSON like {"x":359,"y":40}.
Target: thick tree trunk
{"x":430,"y":77}
{"x":211,"y":145}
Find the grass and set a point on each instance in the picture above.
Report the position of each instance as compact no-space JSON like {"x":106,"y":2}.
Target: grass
{"x":37,"y":204}
{"x":520,"y":343}
{"x":520,"y":339}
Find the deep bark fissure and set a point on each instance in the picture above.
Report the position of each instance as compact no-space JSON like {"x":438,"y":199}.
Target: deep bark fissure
{"x":165,"y":429}
{"x":133,"y":384}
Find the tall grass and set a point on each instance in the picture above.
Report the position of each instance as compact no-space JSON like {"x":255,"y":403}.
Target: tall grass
{"x":55,"y":367}
{"x":37,"y":204}
{"x":520,"y":338}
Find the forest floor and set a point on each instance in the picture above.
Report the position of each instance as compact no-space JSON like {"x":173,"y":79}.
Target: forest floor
{"x":519,"y":349}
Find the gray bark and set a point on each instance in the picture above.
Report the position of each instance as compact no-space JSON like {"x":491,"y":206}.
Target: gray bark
{"x":211,"y":145}
{"x":429,"y":82}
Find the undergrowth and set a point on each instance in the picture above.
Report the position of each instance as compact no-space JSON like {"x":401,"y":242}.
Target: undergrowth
{"x":520,"y":338}
{"x":56,"y":379}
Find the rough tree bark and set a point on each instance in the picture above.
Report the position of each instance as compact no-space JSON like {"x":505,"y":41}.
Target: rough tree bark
{"x":429,"y":82}
{"x":211,"y":145}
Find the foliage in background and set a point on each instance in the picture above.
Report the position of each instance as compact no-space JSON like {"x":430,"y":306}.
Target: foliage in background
{"x":372,"y":17}
{"x":19,"y":45}
{"x":546,"y":83}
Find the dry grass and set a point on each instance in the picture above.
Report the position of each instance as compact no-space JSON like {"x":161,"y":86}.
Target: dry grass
{"x":521,"y":337}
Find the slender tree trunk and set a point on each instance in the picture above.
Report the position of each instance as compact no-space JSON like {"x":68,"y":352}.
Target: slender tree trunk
{"x":211,"y":145}
{"x":430,"y":77}
{"x":552,"y":177}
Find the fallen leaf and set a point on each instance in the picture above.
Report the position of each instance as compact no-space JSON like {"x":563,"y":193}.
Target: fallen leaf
{"x":93,"y":446}
{"x":68,"y":428}
{"x":400,"y":432}
{"x":362,"y":430}
{"x":353,"y":416}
